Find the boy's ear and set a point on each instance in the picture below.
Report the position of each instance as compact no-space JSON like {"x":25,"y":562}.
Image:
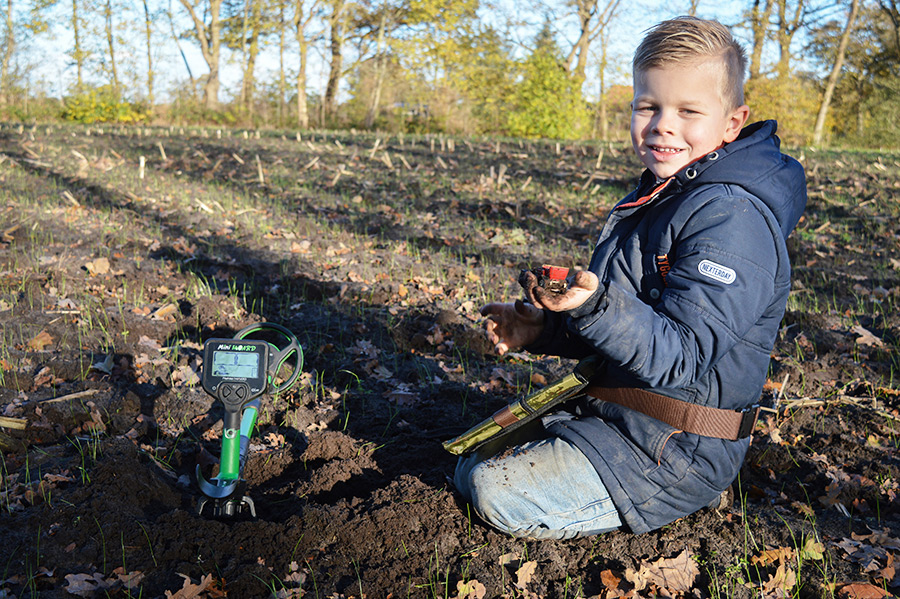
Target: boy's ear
{"x":736,"y":121}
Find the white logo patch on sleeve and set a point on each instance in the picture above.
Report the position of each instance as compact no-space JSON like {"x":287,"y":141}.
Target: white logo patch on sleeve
{"x":717,"y":272}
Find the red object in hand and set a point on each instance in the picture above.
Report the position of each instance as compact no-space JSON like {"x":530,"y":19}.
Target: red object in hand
{"x":552,"y":278}
{"x":556,"y":273}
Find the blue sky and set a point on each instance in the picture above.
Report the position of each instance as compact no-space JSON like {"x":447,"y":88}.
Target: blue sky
{"x":54,"y":70}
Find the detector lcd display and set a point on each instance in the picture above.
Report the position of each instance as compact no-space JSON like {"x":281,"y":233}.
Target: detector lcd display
{"x":233,"y":364}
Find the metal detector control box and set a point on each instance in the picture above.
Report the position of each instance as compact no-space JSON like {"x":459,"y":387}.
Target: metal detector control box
{"x":235,"y":370}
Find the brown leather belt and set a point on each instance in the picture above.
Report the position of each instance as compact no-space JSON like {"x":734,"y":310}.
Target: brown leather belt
{"x":683,"y":415}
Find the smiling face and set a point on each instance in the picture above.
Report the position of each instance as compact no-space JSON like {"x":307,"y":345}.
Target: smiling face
{"x":678,"y":115}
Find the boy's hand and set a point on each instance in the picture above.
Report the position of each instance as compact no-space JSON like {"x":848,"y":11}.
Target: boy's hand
{"x":583,"y":286}
{"x":511,"y":326}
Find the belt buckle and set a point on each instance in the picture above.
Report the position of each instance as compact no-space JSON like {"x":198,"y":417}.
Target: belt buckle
{"x":748,"y":421}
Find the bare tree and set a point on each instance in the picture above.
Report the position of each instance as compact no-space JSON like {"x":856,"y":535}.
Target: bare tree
{"x":790,"y":20}
{"x":78,"y":53}
{"x":891,"y":8}
{"x":835,"y":74}
{"x":9,"y":46}
{"x":252,"y":26}
{"x":380,"y":65}
{"x":592,"y":20}
{"x":184,"y":59}
{"x":110,"y":42}
{"x":759,"y":30}
{"x":303,"y":16}
{"x":337,"y":24}
{"x":148,"y":29}
{"x":209,"y":36}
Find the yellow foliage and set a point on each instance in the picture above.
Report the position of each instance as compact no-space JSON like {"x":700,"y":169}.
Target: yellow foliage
{"x":793,"y":102}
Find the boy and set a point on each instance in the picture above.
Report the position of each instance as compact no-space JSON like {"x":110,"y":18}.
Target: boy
{"x":682,"y":303}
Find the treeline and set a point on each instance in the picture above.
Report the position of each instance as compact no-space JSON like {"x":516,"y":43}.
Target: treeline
{"x":828,"y":70}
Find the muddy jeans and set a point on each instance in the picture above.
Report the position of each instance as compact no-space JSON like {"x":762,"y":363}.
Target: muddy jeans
{"x":539,"y":488}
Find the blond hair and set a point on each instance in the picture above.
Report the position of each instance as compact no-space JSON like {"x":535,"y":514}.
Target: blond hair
{"x":689,"y":39}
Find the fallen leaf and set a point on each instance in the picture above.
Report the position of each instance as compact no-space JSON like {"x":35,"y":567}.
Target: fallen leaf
{"x":813,"y":550}
{"x":470,"y":590}
{"x":100,"y":266}
{"x":165,"y":312}
{"x":781,"y":583}
{"x":866,"y":337}
{"x":40,"y":341}
{"x":508,"y":558}
{"x":524,"y":574}
{"x":862,"y":590}
{"x":773,"y":556}
{"x":105,"y":366}
{"x":189,"y":590}
{"x":129,"y":580}
{"x":610,"y":580}
{"x":675,"y":574}
{"x":85,"y":585}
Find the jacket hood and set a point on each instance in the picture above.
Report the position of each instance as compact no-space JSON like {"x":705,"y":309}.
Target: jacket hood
{"x":754,"y":162}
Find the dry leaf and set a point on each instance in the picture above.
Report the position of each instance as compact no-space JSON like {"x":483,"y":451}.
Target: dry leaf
{"x":105,"y":366}
{"x":863,"y":590}
{"x":129,"y":580}
{"x":40,"y":341}
{"x":100,"y":266}
{"x":470,"y":590}
{"x":165,"y":312}
{"x":781,"y":583}
{"x":813,"y":550}
{"x":190,"y":590}
{"x":866,"y":337}
{"x":675,"y":574}
{"x":610,"y":580}
{"x":773,"y":556}
{"x":524,"y":574}
{"x":508,"y":558}
{"x":85,"y":585}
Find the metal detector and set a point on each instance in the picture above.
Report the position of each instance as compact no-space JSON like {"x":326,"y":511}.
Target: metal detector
{"x":238,"y":372}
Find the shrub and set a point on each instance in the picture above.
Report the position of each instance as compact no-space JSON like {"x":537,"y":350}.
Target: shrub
{"x":102,"y":105}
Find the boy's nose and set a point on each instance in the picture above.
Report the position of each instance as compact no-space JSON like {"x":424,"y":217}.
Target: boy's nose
{"x":663,"y":122}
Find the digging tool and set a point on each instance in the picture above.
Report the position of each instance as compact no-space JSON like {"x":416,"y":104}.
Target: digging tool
{"x":238,"y":372}
{"x":524,"y":410}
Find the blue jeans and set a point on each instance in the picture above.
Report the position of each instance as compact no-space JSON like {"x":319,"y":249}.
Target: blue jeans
{"x":538,"y":488}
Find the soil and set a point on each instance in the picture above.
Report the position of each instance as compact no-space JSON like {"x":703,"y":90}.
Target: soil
{"x":110,"y":283}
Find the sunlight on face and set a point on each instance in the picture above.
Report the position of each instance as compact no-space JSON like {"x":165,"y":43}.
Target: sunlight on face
{"x":679,"y":115}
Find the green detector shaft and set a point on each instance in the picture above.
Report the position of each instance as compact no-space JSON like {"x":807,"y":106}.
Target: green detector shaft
{"x":238,"y":372}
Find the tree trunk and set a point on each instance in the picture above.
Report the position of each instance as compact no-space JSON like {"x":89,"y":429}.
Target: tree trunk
{"x":380,"y":68}
{"x":337,"y":24}
{"x":210,"y":39}
{"x":9,"y":48}
{"x":244,"y":26}
{"x":787,"y":27}
{"x":249,"y":81}
{"x":890,"y":8}
{"x":301,"y":21}
{"x":184,"y":59}
{"x":835,"y":73}
{"x":110,"y":42}
{"x":282,"y":82}
{"x":592,"y":23}
{"x":602,"y":102}
{"x":148,"y":28}
{"x":759,"y":26}
{"x":77,"y":53}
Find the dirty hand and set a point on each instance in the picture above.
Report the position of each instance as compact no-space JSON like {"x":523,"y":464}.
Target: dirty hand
{"x":584,"y":284}
{"x":510,"y":326}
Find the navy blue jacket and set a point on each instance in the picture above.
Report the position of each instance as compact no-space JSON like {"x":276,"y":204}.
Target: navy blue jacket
{"x":694,"y":278}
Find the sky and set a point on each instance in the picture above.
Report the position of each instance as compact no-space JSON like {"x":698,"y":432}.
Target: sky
{"x":53,"y":69}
